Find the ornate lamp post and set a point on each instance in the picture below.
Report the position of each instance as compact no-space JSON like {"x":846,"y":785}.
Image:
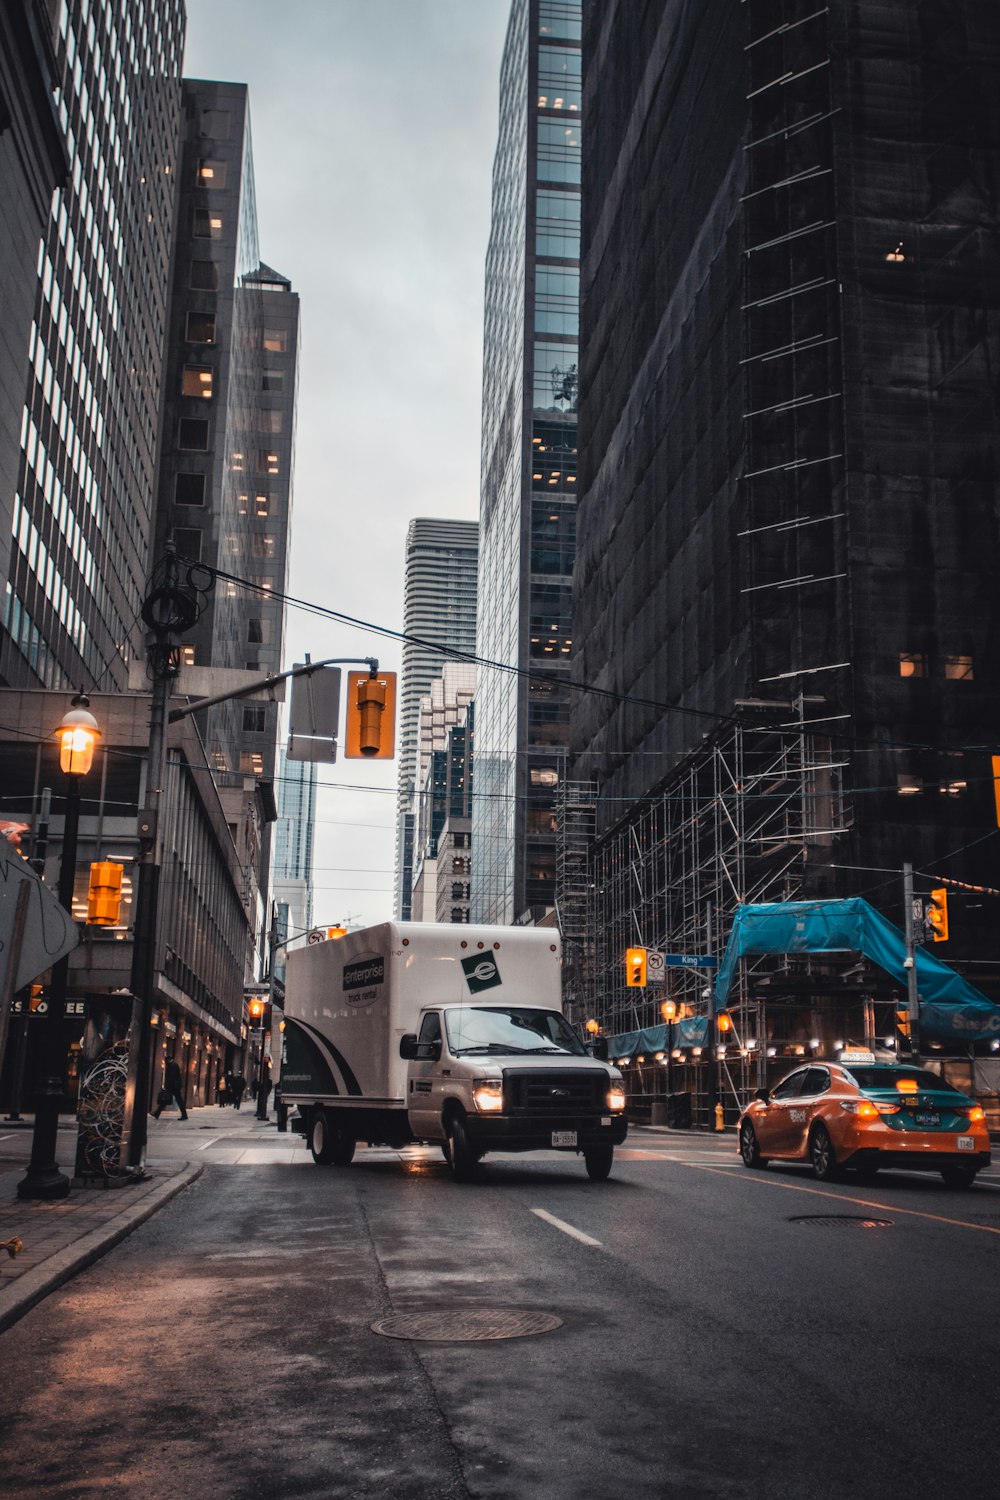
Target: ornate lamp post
{"x":668,"y":1010}
{"x":78,"y":734}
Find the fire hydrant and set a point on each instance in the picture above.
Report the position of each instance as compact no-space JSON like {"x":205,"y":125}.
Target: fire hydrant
{"x":720,"y":1117}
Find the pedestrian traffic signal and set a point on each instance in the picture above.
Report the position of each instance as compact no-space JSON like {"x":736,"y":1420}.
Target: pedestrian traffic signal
{"x":371,"y":716}
{"x":635,"y":968}
{"x":937,"y":915}
{"x":104,"y":897}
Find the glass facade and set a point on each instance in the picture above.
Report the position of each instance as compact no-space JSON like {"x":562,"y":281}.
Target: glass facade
{"x":528,"y":487}
{"x":82,"y":511}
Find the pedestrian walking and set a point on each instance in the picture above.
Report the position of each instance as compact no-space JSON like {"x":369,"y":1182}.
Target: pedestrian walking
{"x":239,"y":1083}
{"x":170,"y":1093}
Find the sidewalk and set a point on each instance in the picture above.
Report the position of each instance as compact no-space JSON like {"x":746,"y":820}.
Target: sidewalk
{"x":62,"y":1237}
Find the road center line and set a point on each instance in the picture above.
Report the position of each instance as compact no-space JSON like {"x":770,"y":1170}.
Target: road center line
{"x":576,"y":1234}
{"x":790,"y":1187}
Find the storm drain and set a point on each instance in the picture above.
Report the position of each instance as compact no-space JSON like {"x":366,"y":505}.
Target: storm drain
{"x":841,"y":1221}
{"x":466,"y":1325}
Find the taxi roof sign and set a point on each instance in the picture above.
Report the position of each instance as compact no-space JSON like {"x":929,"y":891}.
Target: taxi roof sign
{"x":856,"y":1055}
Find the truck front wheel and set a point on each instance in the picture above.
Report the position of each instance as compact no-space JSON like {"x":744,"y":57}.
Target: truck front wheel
{"x":462,"y":1157}
{"x":598,"y":1160}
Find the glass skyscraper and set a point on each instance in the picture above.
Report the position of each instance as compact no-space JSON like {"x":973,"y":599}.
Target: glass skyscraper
{"x":528,"y":487}
{"x":439,"y":619}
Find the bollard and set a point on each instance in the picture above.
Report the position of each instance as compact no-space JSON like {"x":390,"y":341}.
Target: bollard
{"x":720,"y":1117}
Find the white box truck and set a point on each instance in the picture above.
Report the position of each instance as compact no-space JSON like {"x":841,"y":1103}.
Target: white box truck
{"x":428,"y":1032}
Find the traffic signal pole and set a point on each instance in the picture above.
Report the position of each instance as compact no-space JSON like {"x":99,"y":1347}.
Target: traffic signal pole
{"x":910,"y":964}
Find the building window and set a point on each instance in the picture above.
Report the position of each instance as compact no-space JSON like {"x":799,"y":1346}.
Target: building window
{"x":212,"y":174}
{"x":557,"y":225}
{"x":267,"y":463}
{"x":262,"y":505}
{"x":207,"y":224}
{"x":196,"y":380}
{"x":193,"y":434}
{"x":215,"y":124}
{"x":189,"y":489}
{"x":251,"y":763}
{"x":187,"y":656}
{"x":254,"y":718}
{"x":958,"y":668}
{"x":201,"y":327}
{"x":204,"y":276}
{"x":908,"y":785}
{"x":559,"y":78}
{"x":275,"y":340}
{"x":560,"y":19}
{"x":543,"y":776}
{"x":273,"y":380}
{"x":559,"y":150}
{"x":269,"y":421}
{"x":557,"y":300}
{"x":912,"y":664}
{"x":255,"y":632}
{"x":555,"y":378}
{"x":262,"y":545}
{"x":187,"y":540}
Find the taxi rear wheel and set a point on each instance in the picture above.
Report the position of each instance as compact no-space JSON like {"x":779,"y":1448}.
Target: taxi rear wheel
{"x":958,"y":1177}
{"x":750,"y":1146}
{"x":822,"y":1155}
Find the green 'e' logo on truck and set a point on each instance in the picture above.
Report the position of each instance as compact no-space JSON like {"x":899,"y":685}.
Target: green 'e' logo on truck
{"x":481,"y":972}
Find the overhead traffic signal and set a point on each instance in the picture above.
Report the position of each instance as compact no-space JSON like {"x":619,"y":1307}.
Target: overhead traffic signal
{"x":724,"y":1021}
{"x":635,"y":968}
{"x":371,"y":716}
{"x":259,"y":1011}
{"x":937,"y":915}
{"x":104,"y":896}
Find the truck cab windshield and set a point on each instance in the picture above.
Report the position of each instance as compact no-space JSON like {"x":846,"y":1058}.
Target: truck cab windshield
{"x":501,"y":1029}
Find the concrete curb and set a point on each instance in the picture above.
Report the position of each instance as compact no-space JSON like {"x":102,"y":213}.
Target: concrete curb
{"x":28,"y":1290}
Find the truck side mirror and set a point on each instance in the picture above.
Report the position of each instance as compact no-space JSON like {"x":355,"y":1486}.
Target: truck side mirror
{"x":408,"y":1046}
{"x":599,"y":1048}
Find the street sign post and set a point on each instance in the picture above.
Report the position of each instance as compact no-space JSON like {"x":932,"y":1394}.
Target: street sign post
{"x":655,"y":972}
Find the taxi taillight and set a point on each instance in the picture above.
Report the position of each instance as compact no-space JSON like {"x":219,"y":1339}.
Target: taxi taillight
{"x":866,"y":1110}
{"x":976,"y":1114}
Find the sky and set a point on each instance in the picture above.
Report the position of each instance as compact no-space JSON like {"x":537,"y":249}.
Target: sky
{"x":374,"y":128}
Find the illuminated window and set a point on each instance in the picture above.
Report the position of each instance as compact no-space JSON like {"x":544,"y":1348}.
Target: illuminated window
{"x":912,"y":664}
{"x":196,"y":380}
{"x":187,"y":656}
{"x":544,"y":776}
{"x":212,"y":174}
{"x":908,"y":785}
{"x":207,"y":224}
{"x":958,"y":668}
{"x":275,"y":340}
{"x":267,"y":463}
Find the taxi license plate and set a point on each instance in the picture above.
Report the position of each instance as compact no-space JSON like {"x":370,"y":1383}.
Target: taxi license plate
{"x":564,"y":1137}
{"x":965,"y":1143}
{"x":927,"y":1117}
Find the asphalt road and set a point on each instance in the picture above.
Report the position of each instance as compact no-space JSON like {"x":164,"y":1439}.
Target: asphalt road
{"x":716,"y":1337}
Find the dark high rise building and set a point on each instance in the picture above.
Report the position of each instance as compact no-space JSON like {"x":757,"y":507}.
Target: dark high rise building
{"x":32,"y":164}
{"x":788,"y":532}
{"x":528,"y":483}
{"x":229,"y":418}
{"x":85,"y":476}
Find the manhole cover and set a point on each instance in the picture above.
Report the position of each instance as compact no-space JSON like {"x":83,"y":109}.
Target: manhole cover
{"x":466,"y":1325}
{"x":838,"y":1221}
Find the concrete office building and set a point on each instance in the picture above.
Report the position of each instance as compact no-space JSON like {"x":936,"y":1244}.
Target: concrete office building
{"x":528,"y":484}
{"x":439,"y":620}
{"x":294,"y":839}
{"x":85,"y":482}
{"x":444,"y":776}
{"x":788,"y":533}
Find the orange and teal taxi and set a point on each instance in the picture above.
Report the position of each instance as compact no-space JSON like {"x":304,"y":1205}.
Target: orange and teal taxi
{"x":861,"y":1114}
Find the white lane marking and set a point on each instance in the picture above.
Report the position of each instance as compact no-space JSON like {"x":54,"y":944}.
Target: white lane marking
{"x":576,"y":1234}
{"x":9,"y":1137}
{"x":206,"y":1145}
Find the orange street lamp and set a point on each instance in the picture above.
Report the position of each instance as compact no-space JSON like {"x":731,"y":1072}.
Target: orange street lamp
{"x":77,"y":734}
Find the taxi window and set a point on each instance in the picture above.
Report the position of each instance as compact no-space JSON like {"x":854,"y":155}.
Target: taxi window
{"x":817,"y":1081}
{"x":791,"y":1087}
{"x":887,"y":1077}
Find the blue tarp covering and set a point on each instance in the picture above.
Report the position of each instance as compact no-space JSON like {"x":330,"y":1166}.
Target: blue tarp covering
{"x":691,"y":1032}
{"x":950,"y":1008}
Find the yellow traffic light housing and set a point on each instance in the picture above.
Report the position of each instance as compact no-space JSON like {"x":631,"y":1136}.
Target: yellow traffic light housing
{"x":256,"y":1010}
{"x":104,"y":896}
{"x":371,"y":716}
{"x":635,"y":968}
{"x":937,"y":915}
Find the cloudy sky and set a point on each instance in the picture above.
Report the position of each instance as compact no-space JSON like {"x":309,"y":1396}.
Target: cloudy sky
{"x":374,"y":128}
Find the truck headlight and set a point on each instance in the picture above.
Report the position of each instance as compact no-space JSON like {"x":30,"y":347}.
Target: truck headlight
{"x":616,"y":1096}
{"x":488,"y":1096}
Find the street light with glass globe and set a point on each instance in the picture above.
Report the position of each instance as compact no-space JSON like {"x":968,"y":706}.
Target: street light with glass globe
{"x":78,"y":733}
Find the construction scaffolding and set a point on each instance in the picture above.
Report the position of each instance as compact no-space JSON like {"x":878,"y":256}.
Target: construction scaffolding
{"x":752,"y":816}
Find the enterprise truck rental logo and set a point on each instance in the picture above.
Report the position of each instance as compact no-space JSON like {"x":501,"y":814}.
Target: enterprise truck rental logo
{"x":481,"y":972}
{"x":362,"y":980}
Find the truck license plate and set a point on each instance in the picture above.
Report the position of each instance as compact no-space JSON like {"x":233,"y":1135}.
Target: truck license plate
{"x":965,"y":1143}
{"x":564,"y":1137}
